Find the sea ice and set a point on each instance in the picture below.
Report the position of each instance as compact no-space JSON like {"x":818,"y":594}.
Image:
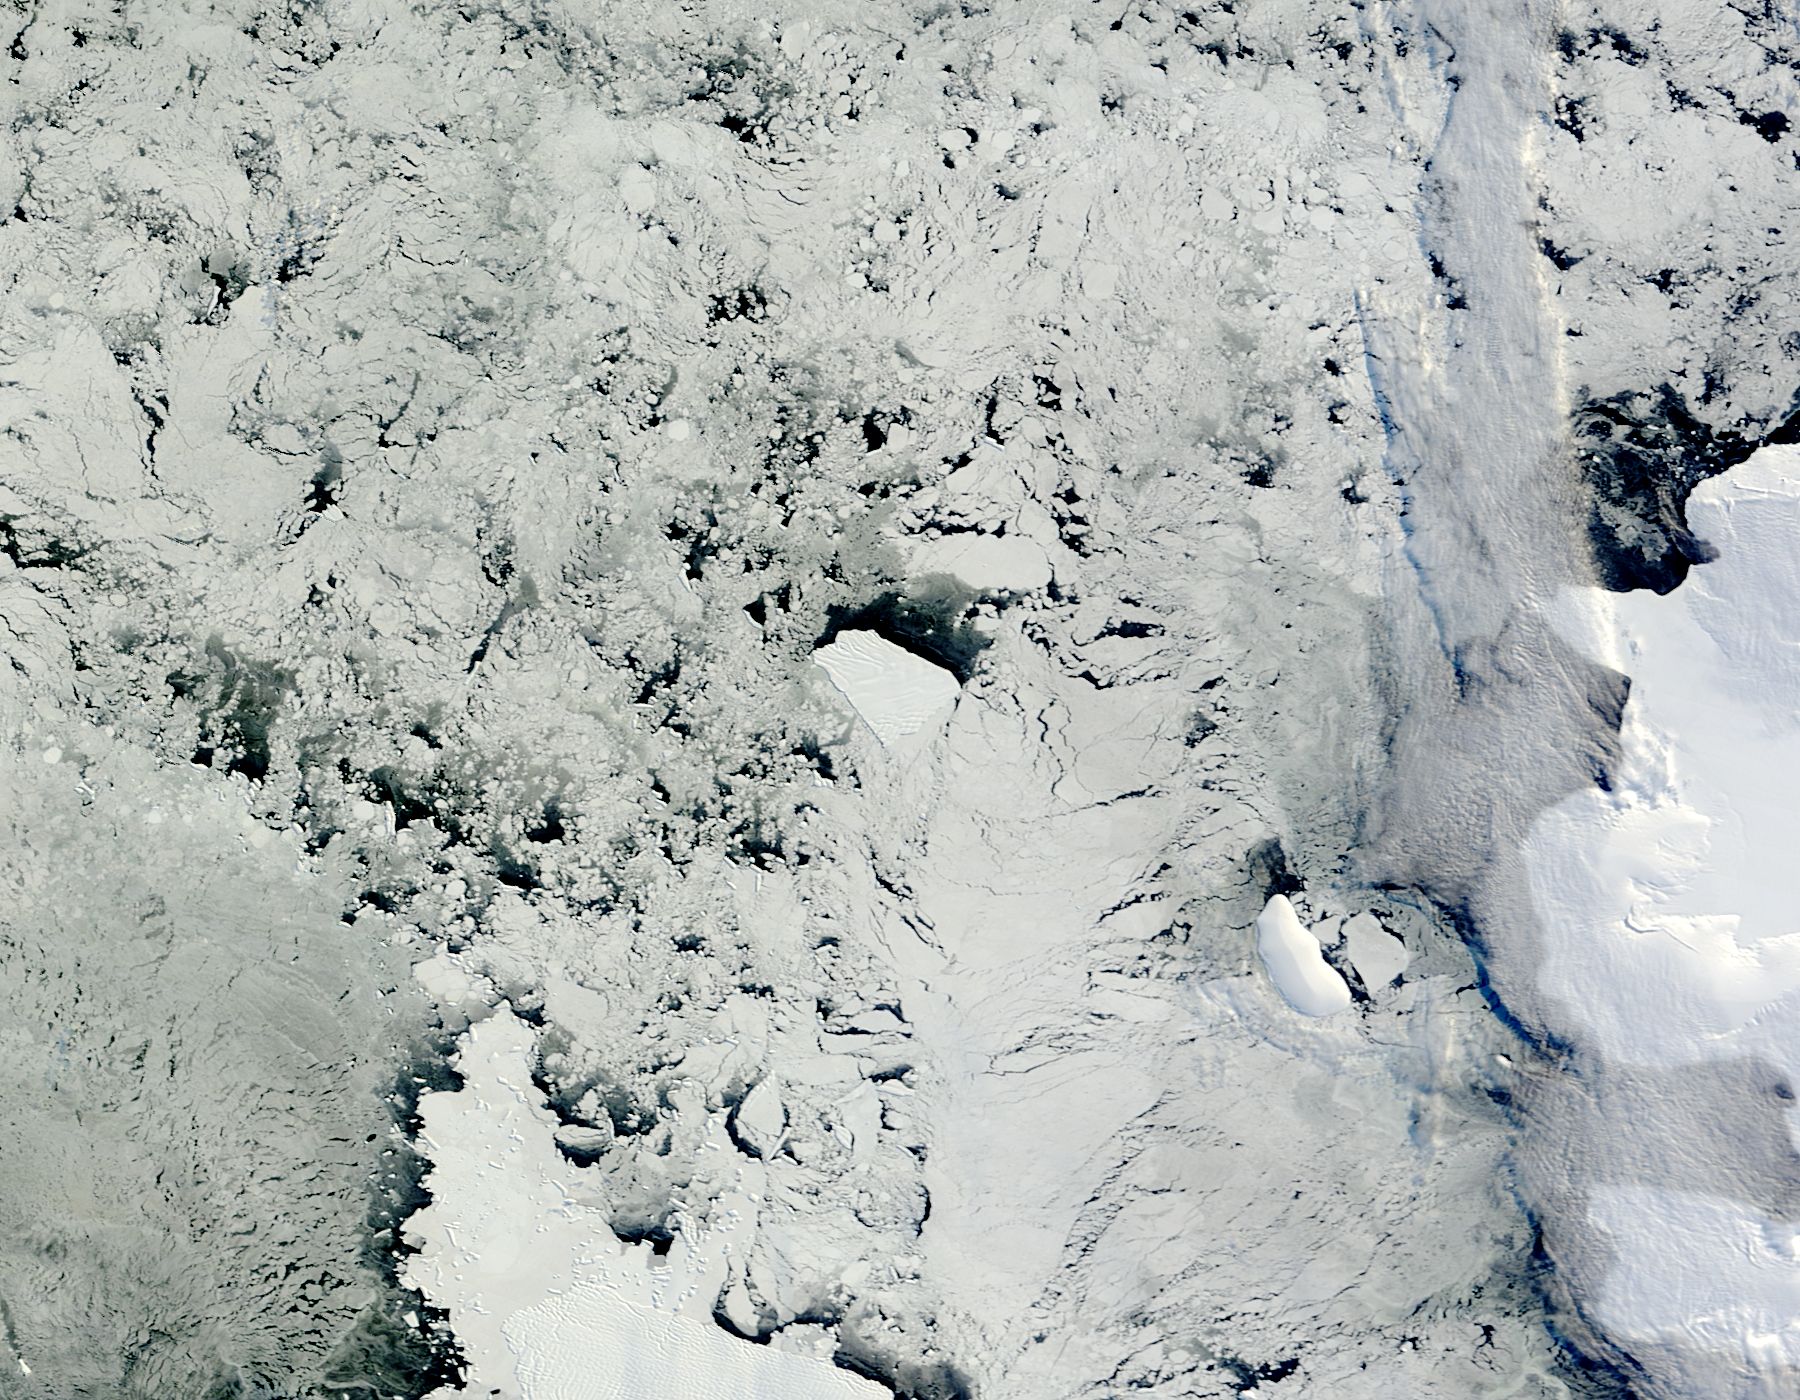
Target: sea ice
{"x":476,"y":527}
{"x":1376,"y":954}
{"x":996,"y":563}
{"x":547,"y":1303}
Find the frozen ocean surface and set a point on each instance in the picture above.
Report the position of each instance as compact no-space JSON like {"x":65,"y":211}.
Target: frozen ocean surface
{"x":546,"y":1301}
{"x":972,"y":701}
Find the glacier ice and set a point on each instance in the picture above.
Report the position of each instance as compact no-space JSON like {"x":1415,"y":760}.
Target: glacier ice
{"x":1677,"y":941}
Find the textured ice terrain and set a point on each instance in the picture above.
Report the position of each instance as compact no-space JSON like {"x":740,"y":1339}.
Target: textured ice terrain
{"x":1678,"y":944}
{"x":784,"y":587}
{"x":544,"y":1298}
{"x":895,"y":693}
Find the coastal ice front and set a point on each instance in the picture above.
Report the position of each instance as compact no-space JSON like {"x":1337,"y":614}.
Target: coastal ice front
{"x":1676,"y":940}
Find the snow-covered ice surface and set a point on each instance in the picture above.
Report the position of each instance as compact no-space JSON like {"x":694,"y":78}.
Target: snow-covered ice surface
{"x":1675,"y":938}
{"x":1600,"y":168}
{"x":895,"y":693}
{"x":834,"y":558}
{"x":544,"y":1298}
{"x":1678,"y":935}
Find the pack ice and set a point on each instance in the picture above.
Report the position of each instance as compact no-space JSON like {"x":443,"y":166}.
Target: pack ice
{"x":462,"y":466}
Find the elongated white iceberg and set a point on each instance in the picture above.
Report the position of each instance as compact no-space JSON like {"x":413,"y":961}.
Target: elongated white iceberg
{"x":1296,"y":963}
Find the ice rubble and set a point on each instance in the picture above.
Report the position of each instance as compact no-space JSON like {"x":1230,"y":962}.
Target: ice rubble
{"x":1640,"y":89}
{"x":1675,"y":937}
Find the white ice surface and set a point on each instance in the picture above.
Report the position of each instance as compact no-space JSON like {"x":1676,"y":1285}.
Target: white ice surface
{"x":1675,"y":936}
{"x":1671,"y":932}
{"x":1377,"y":955}
{"x":1296,"y":963}
{"x":547,"y":1303}
{"x":1047,"y":910}
{"x":1701,"y":1270}
{"x":896,"y":693}
{"x":987,"y":562}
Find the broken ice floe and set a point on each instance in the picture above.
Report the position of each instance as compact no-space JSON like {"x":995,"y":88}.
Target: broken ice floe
{"x":546,"y":1302}
{"x":1295,"y":962}
{"x":895,"y":692}
{"x":760,"y":1120}
{"x":987,"y":563}
{"x":1377,"y":955}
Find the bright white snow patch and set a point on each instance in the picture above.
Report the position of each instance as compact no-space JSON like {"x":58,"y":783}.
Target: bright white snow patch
{"x":1701,"y":1269}
{"x":1672,"y":935}
{"x":546,"y":1301}
{"x":896,"y":693}
{"x":1296,"y":963}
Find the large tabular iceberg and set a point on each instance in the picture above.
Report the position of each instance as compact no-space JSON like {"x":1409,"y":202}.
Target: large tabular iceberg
{"x":895,"y":692}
